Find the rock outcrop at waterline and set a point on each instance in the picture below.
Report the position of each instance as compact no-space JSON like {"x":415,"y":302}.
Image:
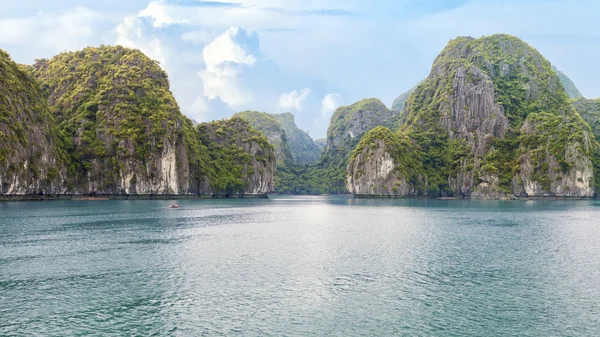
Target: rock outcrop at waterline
{"x":347,"y":127}
{"x":122,"y":128}
{"x":31,"y":161}
{"x":492,"y":120}
{"x":242,"y":162}
{"x":102,"y":121}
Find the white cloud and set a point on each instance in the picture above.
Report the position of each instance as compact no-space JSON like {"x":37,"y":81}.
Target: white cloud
{"x":235,"y":45}
{"x":66,"y":30}
{"x":161,"y":14}
{"x":294,"y":100}
{"x":136,"y":32}
{"x":329,"y":104}
{"x":237,"y":76}
{"x":202,"y":36}
{"x":228,"y":58}
{"x":215,"y":68}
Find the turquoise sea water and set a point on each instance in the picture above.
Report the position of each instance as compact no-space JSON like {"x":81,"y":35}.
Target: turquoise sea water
{"x":300,"y":266}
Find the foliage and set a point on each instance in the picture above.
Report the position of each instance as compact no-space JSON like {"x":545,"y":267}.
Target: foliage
{"x":347,"y":127}
{"x":113,"y":104}
{"x":273,"y":130}
{"x":589,"y":110}
{"x":398,"y":104}
{"x":502,"y":159}
{"x":27,"y":130}
{"x":358,"y":118}
{"x":304,"y":150}
{"x":230,"y":158}
{"x":541,"y":118}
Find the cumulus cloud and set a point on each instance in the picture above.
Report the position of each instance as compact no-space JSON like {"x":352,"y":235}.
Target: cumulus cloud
{"x":215,"y":67}
{"x":229,"y":58}
{"x":237,"y":76}
{"x":137,"y":32}
{"x":161,"y":14}
{"x":330,"y":103}
{"x":67,"y":30}
{"x":234,"y":45}
{"x":201,"y":36}
{"x":294,"y":100}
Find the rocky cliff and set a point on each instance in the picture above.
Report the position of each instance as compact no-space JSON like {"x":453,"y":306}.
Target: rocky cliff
{"x":31,"y":161}
{"x":102,"y":121}
{"x":242,"y":162}
{"x":123,"y":131}
{"x":303,"y":148}
{"x":492,"y":120}
{"x":398,"y":104}
{"x":384,"y":163}
{"x":569,"y":86}
{"x":347,"y":127}
{"x":321,"y":143}
{"x":589,"y":110}
{"x":273,"y":130}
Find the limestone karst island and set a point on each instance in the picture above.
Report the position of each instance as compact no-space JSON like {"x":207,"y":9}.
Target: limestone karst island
{"x":493,"y":119}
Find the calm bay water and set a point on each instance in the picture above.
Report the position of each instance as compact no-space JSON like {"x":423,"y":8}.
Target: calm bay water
{"x":300,"y":266}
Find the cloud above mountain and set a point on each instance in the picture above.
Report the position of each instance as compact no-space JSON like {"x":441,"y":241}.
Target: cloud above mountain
{"x":307,"y":57}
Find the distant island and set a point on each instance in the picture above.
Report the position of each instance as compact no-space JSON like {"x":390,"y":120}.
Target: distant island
{"x":493,"y":120}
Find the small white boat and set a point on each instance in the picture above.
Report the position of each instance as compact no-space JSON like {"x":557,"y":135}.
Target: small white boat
{"x":174,"y":205}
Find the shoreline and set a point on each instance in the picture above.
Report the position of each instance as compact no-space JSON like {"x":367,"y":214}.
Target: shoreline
{"x":106,"y":197}
{"x":525,"y":198}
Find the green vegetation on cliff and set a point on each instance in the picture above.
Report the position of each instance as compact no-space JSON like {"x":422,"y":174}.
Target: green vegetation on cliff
{"x":523,"y":80}
{"x":273,"y":130}
{"x":30,"y":160}
{"x":235,"y":152}
{"x":113,"y":104}
{"x":347,"y":127}
{"x":303,"y":149}
{"x":402,"y":149}
{"x":494,"y":107}
{"x":398,"y":104}
{"x":589,"y":110}
{"x":294,"y":148}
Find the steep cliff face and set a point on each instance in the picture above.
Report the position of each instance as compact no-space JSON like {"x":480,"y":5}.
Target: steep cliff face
{"x":122,"y":128}
{"x":31,"y":161}
{"x":273,"y":130}
{"x":303,"y":149}
{"x":493,"y":121}
{"x":384,"y":163}
{"x":589,"y":110}
{"x":398,"y":104}
{"x":347,"y":127}
{"x":321,"y":143}
{"x":569,"y":86}
{"x":349,"y":123}
{"x":242,"y":162}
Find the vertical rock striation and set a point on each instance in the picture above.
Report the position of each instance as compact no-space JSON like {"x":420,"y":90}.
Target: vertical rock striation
{"x":31,"y":160}
{"x":243,"y":163}
{"x":492,"y":120}
{"x":122,"y":128}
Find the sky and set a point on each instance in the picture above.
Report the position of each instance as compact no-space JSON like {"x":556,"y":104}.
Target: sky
{"x":307,"y":57}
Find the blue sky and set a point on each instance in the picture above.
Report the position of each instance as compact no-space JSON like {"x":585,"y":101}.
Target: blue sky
{"x":307,"y":57}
